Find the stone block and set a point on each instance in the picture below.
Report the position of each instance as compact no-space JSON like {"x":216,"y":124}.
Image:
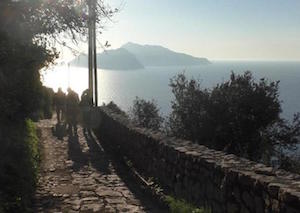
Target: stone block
{"x":248,"y":199}
{"x":232,"y":208}
{"x":259,"y":205}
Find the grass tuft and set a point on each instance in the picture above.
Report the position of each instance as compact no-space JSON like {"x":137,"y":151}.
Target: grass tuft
{"x":181,"y":206}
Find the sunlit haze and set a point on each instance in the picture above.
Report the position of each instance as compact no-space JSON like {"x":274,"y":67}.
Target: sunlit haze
{"x":215,"y":29}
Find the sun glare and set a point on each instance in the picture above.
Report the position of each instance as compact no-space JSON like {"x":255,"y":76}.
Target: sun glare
{"x":65,"y":77}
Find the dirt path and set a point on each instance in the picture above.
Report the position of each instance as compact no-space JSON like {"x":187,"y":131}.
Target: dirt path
{"x":77,"y":175}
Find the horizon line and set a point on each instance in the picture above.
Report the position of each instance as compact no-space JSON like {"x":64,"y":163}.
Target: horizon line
{"x":255,"y":59}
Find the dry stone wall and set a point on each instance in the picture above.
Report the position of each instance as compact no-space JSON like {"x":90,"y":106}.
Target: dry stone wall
{"x":200,"y":175}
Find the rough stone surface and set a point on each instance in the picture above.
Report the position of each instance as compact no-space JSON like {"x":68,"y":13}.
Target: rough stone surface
{"x":198,"y":174}
{"x":77,"y":175}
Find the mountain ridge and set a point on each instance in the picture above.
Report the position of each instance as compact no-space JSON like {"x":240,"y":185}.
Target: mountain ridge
{"x":136,"y":56}
{"x":156,"y":55}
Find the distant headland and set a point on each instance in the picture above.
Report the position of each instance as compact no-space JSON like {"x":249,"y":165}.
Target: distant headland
{"x":132,"y":56}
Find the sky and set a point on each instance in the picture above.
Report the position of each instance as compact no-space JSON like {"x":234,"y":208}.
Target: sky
{"x":215,"y":29}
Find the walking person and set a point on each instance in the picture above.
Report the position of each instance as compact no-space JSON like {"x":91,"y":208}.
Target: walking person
{"x":72,"y":111}
{"x":85,"y":105}
{"x":59,"y":101}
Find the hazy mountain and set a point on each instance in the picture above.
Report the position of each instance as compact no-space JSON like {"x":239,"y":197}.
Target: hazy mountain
{"x":80,"y":61}
{"x":118,"y":59}
{"x":135,"y":56}
{"x":153,"y":55}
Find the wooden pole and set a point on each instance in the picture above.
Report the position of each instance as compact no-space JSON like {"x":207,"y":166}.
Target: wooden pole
{"x":95,"y":53}
{"x":90,"y":51}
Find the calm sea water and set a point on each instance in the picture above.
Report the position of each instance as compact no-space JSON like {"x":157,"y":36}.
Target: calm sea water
{"x":152,"y":82}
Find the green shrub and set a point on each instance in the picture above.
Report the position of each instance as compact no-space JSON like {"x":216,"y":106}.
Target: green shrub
{"x":181,"y":206}
{"x":32,"y":141}
{"x":115,"y":108}
{"x":19,"y":160}
{"x":240,"y":116}
{"x":47,"y":102}
{"x":146,"y":114}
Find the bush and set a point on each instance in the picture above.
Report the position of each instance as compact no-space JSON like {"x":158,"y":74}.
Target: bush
{"x":45,"y":105}
{"x":115,"y":108}
{"x":146,"y":114}
{"x":47,"y":102}
{"x":19,"y":161}
{"x":240,"y":116}
{"x":181,"y":206}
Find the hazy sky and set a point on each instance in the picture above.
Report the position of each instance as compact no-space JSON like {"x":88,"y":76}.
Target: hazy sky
{"x":217,"y":29}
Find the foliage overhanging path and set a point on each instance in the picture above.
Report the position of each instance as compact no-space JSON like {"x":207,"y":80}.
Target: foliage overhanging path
{"x":77,"y":175}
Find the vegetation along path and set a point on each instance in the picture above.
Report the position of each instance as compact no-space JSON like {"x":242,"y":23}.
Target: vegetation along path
{"x":77,"y":175}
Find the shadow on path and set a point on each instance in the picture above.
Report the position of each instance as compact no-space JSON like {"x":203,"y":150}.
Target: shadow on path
{"x":98,"y":148}
{"x":46,"y":202}
{"x":78,"y":173}
{"x":75,"y":153}
{"x":97,"y":156}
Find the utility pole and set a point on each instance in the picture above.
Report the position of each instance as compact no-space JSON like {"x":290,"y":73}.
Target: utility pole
{"x":95,"y":53}
{"x":92,"y":52}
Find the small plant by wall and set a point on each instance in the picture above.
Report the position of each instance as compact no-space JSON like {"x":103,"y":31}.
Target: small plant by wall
{"x":181,"y":206}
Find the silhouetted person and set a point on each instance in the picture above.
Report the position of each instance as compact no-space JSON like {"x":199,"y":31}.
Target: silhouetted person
{"x":85,"y":104}
{"x":72,"y":111}
{"x":59,"y":103}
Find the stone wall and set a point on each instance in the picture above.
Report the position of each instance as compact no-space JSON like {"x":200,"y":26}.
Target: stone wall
{"x":200,"y":175}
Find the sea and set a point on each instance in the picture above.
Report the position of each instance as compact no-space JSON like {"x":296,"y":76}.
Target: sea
{"x":152,"y":83}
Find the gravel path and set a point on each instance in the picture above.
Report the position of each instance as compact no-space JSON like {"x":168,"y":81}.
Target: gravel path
{"x":77,"y":175}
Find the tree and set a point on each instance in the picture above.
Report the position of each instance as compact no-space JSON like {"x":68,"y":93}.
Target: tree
{"x":146,"y":114}
{"x":240,"y":116}
{"x":29,"y":30}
